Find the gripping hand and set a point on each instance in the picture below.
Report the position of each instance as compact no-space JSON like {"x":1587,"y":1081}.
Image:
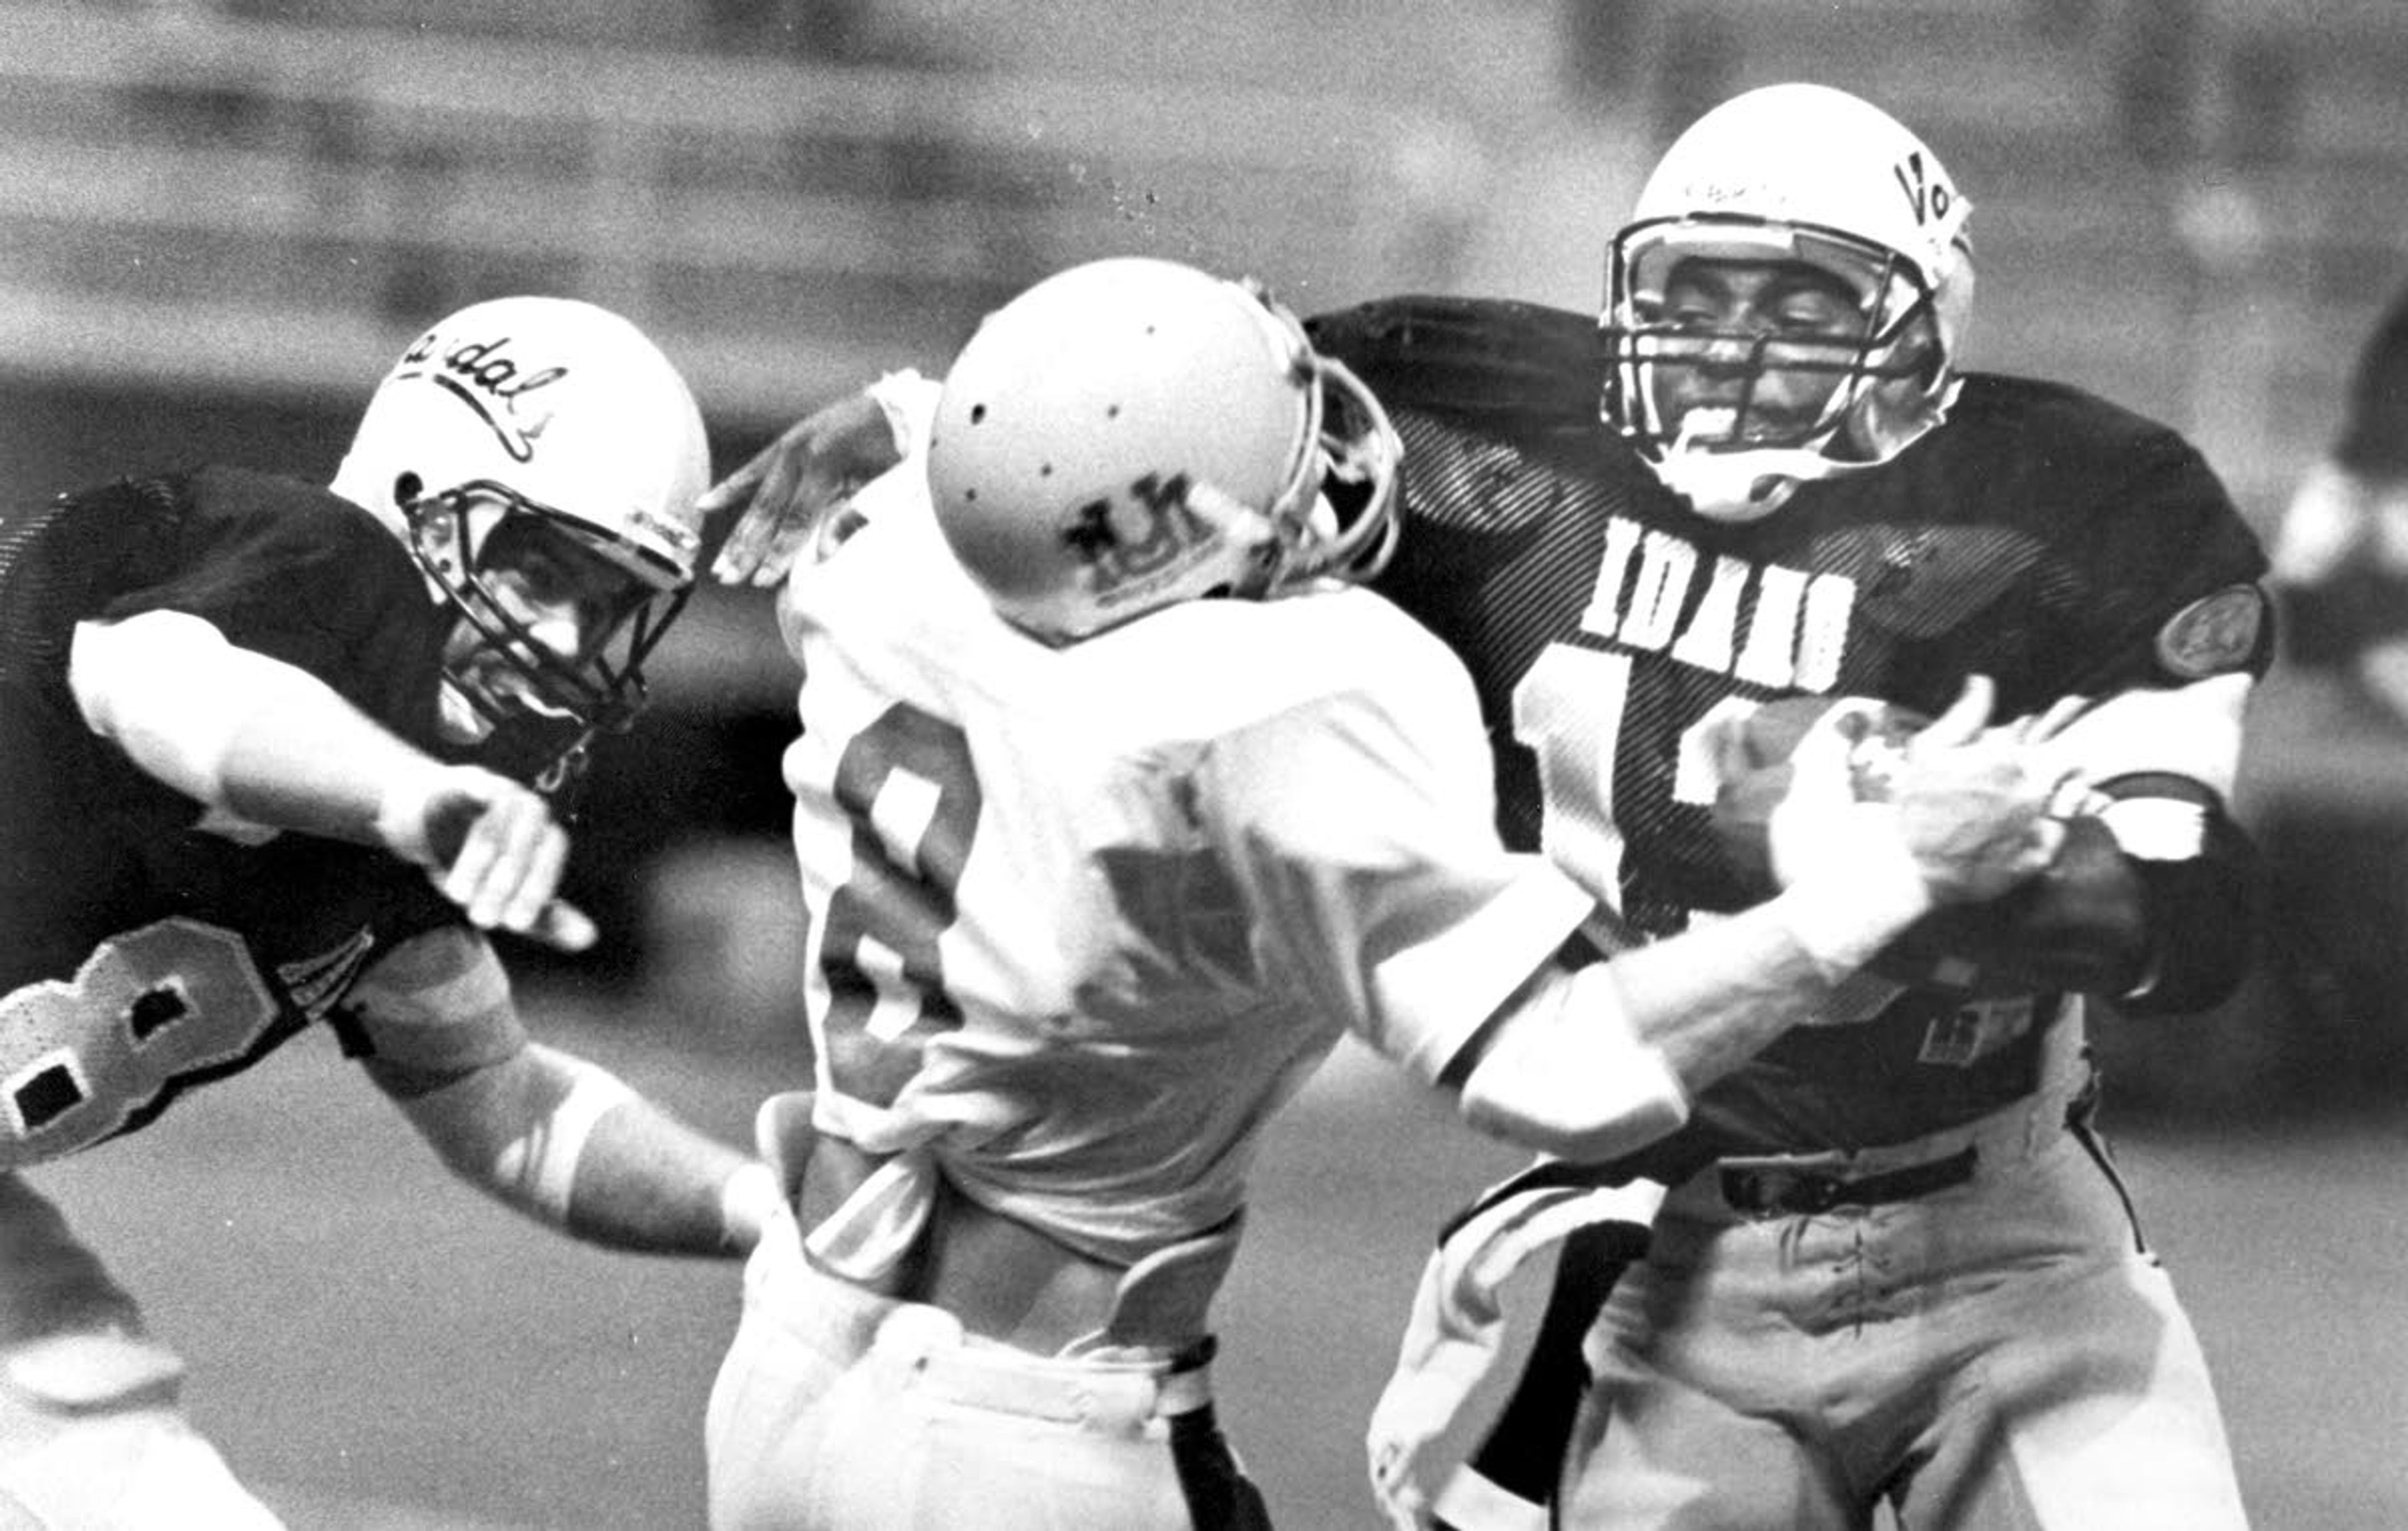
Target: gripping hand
{"x":491,"y":845}
{"x":2029,"y":891}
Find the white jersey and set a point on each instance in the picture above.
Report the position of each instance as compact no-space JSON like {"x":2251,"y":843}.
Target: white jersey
{"x":1081,"y":919}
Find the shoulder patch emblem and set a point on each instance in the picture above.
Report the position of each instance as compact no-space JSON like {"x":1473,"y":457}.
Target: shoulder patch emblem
{"x":2214,"y":634}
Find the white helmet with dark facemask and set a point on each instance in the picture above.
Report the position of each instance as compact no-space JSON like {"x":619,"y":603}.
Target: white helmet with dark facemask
{"x":530,"y":419}
{"x":1133,"y":433}
{"x":1784,"y":176}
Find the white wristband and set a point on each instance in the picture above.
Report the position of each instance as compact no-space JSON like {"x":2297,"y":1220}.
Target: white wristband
{"x":1841,"y":921}
{"x":538,"y":1169}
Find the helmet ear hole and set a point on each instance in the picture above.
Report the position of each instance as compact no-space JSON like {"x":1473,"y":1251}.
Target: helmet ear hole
{"x":406,"y":487}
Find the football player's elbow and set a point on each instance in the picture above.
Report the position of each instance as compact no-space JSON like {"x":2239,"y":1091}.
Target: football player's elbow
{"x":1561,"y":1069}
{"x":467,"y":1118}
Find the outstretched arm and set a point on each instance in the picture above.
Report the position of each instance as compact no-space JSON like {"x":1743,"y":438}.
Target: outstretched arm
{"x":557,"y":1138}
{"x":266,"y":743}
{"x":1592,"y":1061}
{"x":792,"y":489}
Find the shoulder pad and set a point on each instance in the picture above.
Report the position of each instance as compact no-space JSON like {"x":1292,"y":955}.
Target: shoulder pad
{"x":1470,"y":355}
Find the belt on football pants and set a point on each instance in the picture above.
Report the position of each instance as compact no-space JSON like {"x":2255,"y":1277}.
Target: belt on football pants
{"x":1759,"y":1190}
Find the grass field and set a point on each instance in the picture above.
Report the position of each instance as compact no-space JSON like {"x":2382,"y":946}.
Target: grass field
{"x":382,"y":1349}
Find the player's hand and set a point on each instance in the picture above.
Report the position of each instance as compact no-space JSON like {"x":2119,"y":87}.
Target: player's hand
{"x":1973,"y":802}
{"x":2049,"y":752}
{"x":2036,"y":729}
{"x":491,"y":846}
{"x":1966,"y":804}
{"x":796,"y":488}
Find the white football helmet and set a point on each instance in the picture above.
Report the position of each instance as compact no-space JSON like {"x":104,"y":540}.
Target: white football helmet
{"x":1787,"y":174}
{"x":549,"y":413}
{"x":1133,"y":433}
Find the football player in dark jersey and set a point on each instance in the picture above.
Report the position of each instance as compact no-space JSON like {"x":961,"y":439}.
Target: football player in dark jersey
{"x":1889,"y":1261}
{"x":262,"y":755}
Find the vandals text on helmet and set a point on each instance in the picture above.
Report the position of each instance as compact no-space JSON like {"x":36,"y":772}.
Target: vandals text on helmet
{"x":1929,"y":198}
{"x":484,"y":376}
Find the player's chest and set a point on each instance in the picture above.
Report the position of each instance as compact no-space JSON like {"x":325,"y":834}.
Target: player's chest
{"x":1862,"y":608}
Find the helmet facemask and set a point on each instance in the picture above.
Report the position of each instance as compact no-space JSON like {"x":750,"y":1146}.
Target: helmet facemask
{"x":1337,"y":516}
{"x":533,"y":711}
{"x":1352,"y":531}
{"x":1735,"y":418}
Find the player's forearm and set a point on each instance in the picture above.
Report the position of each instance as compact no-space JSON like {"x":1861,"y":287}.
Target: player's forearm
{"x":568,"y":1143}
{"x":1592,"y":1063}
{"x":1562,"y":1070}
{"x":1712,"y":996}
{"x":236,"y":730}
{"x":864,"y":434}
{"x":648,"y":1181}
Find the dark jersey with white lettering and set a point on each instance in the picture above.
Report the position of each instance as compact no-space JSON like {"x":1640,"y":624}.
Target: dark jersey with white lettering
{"x":141,"y":955}
{"x":2043,"y":537}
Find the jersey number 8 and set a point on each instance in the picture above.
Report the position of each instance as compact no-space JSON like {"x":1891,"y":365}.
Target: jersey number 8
{"x":907,"y":785}
{"x":148,"y":1009}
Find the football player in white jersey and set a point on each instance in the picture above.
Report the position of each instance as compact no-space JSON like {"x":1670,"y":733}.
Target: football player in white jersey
{"x":242,"y":718}
{"x":1116,"y":803}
